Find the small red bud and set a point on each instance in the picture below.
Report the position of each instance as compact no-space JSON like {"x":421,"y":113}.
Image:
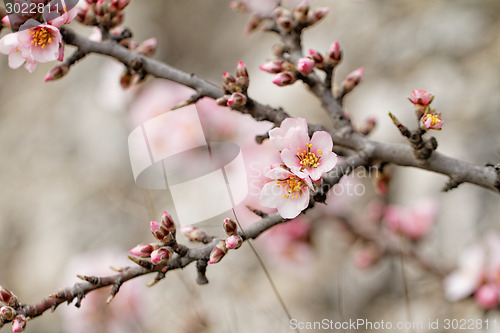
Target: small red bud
{"x":230,"y":227}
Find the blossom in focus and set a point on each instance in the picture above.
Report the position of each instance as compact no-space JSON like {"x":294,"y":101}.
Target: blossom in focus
{"x":414,"y":222}
{"x":310,"y":157}
{"x":432,"y":121}
{"x":477,"y":273}
{"x":37,"y":43}
{"x":280,"y":136}
{"x":421,"y":97}
{"x":286,"y":192}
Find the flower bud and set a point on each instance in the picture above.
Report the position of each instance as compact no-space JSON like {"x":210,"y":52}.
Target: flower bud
{"x":335,"y":54}
{"x":142,"y":250}
{"x":273,"y":67}
{"x":305,"y":65}
{"x":431,"y":121}
{"x":19,"y":324}
{"x":160,"y":256}
{"x":301,"y":11}
{"x":352,"y":80}
{"x":229,"y":226}
{"x":285,"y":23}
{"x":284,"y":79}
{"x":316,"y":56}
{"x":253,"y":23}
{"x":7,"y":313}
{"x":122,"y":4}
{"x":227,"y":78}
{"x":317,"y":15}
{"x":234,"y":242}
{"x":222,"y":101}
{"x":56,"y":73}
{"x":168,"y":222}
{"x":160,"y":232}
{"x":193,"y":234}
{"x":218,"y":252}
{"x":148,"y":47}
{"x":241,"y":70}
{"x":237,"y":99}
{"x":8,"y":298}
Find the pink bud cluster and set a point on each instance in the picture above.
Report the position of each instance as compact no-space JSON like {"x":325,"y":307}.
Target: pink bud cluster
{"x":299,"y":18}
{"x":8,"y":311}
{"x":287,"y":73}
{"x":235,"y":88}
{"x":428,"y":118}
{"x":164,"y":232}
{"x":103,"y":13}
{"x":233,"y":242}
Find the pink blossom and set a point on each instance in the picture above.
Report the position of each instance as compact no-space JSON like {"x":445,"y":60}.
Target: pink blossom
{"x":477,"y":273}
{"x":280,"y":136}
{"x":305,"y":65}
{"x":61,"y":17}
{"x":432,"y":121}
{"x":36,"y":43}
{"x":287,"y":192}
{"x":421,"y":97}
{"x":487,"y":296}
{"x":312,"y":157}
{"x":414,"y":222}
{"x":284,"y":79}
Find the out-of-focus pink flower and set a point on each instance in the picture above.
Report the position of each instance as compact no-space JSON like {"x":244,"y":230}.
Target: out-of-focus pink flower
{"x":432,"y":121}
{"x":421,"y":97}
{"x":287,"y":192}
{"x":305,"y":65}
{"x":414,"y":222}
{"x":35,"y":43}
{"x":289,"y":242}
{"x":280,"y":136}
{"x":273,"y":67}
{"x":477,"y":273}
{"x":487,"y":296}
{"x":367,"y":256}
{"x":310,"y":157}
{"x":284,"y":79}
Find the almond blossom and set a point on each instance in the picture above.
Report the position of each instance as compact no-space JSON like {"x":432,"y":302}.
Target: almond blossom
{"x":36,"y":43}
{"x":287,"y":192}
{"x":432,"y":121}
{"x":280,"y":136}
{"x":421,"y":97}
{"x":310,"y":157}
{"x":414,"y":222}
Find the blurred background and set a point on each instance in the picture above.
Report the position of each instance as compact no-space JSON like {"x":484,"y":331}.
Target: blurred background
{"x":69,"y":204}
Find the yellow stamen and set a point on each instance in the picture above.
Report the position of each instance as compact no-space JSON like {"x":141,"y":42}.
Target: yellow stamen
{"x":41,"y":37}
{"x":309,"y":159}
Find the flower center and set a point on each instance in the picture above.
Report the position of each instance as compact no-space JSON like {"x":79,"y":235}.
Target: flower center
{"x":307,"y":158}
{"x":434,"y":119}
{"x":41,"y":37}
{"x":292,"y":186}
